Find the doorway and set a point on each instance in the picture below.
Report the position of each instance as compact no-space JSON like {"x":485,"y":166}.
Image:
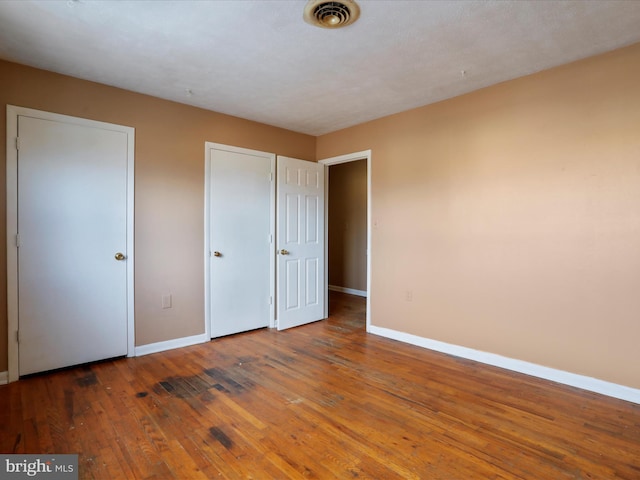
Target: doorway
{"x":348,"y":228}
{"x":70,"y":261}
{"x":343,"y":159}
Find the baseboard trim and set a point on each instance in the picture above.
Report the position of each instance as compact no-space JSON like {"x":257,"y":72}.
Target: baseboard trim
{"x":4,"y":378}
{"x":171,"y":344}
{"x":572,"y":379}
{"x":350,"y":291}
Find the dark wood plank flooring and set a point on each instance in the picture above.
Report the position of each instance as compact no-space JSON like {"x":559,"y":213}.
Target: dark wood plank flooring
{"x":320,"y":401}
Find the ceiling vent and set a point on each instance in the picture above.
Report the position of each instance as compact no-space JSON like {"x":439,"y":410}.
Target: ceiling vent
{"x":325,"y":14}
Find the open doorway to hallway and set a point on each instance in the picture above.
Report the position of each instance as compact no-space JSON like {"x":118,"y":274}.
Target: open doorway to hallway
{"x":347,"y":238}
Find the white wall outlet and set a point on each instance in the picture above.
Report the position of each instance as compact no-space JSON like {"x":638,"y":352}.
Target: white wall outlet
{"x":166,"y":301}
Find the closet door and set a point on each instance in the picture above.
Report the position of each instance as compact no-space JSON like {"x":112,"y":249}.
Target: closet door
{"x":72,"y":255}
{"x":240,"y":250}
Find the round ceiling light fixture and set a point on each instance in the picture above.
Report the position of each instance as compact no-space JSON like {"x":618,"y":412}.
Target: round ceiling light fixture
{"x":331,"y":14}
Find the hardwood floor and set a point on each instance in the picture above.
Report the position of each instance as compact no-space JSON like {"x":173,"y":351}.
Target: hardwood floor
{"x":324,"y":400}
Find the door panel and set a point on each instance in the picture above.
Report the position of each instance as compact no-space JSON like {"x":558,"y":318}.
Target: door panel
{"x":72,"y":220}
{"x":300,"y":234}
{"x":240,"y":230}
{"x":311,"y":269}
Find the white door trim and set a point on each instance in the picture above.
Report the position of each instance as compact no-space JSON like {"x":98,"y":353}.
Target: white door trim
{"x":12,"y":223}
{"x":327,"y":162}
{"x":207,"y":226}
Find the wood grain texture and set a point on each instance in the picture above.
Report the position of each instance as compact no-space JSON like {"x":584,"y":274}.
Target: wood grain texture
{"x":320,"y":401}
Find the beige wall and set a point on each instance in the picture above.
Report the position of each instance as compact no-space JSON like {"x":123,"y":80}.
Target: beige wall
{"x":348,"y":225}
{"x":169,"y":198}
{"x":512,"y":216}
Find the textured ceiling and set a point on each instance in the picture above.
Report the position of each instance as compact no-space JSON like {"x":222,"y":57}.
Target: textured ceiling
{"x":259,"y":60}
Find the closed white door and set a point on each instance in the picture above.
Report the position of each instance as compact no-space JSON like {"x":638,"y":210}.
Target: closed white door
{"x":241,"y":208}
{"x":300,"y":240}
{"x":72,"y":253}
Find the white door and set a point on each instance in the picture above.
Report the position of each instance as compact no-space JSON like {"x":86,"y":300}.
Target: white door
{"x":240,"y":239}
{"x":72,"y":226}
{"x":300,"y":241}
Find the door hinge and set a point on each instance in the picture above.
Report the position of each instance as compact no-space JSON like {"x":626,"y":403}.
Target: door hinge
{"x":17,"y":240}
{"x":271,"y":177}
{"x":270,"y":300}
{"x":17,"y":143}
{"x":270,"y":238}
{"x":18,"y":336}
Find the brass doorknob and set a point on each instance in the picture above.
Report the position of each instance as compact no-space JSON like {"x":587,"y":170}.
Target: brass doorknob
{"x":284,"y":252}
{"x":120,"y":256}
{"x":217,"y":254}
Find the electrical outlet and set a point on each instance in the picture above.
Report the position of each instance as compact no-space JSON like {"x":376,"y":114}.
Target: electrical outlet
{"x":409,"y":296}
{"x":166,"y":301}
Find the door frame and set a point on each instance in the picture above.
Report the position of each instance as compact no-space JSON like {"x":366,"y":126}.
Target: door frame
{"x":207,"y":227}
{"x":327,"y":162}
{"x":13,"y":112}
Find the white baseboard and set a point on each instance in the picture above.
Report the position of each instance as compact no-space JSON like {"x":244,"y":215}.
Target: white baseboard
{"x":4,"y":378}
{"x":171,"y":344}
{"x":580,"y":381}
{"x":350,"y":291}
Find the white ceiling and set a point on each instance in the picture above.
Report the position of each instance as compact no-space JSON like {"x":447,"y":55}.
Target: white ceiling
{"x":259,"y":60}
